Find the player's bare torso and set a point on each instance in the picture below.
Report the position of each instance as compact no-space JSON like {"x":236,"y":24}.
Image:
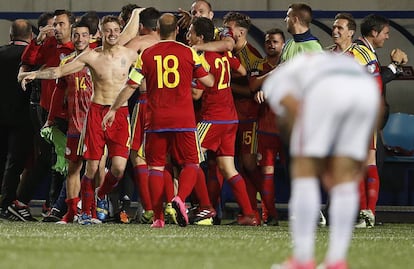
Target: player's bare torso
{"x":109,"y":68}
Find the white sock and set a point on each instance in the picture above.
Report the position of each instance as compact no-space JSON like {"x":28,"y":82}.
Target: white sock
{"x":304,"y":206}
{"x":342,"y":213}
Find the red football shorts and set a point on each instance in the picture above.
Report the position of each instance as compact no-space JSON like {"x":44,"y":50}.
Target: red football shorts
{"x":268,"y":147}
{"x":74,"y":149}
{"x":116,"y":137}
{"x":248,"y":137}
{"x":184,"y":148}
{"x":219,"y":138}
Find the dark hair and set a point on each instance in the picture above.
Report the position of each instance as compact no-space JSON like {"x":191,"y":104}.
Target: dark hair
{"x":349,"y":18}
{"x":240,"y":19}
{"x":82,"y":23}
{"x":373,"y":22}
{"x":149,"y":17}
{"x":276,"y":31}
{"x":303,"y":12}
{"x":167,"y":25}
{"x":126,"y":11}
{"x":21,"y":30}
{"x":90,"y":18}
{"x":43,"y":19}
{"x":70,"y":15}
{"x":205,"y":27}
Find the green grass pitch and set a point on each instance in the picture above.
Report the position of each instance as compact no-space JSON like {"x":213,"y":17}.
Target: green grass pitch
{"x":47,"y":245}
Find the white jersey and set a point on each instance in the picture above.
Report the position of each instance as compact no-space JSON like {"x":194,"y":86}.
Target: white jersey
{"x":338,"y":99}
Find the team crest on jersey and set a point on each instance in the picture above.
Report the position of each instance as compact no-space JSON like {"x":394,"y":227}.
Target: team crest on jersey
{"x":61,"y":56}
{"x":259,"y":157}
{"x":371,"y":68}
{"x":254,"y":73}
{"x":67,"y":151}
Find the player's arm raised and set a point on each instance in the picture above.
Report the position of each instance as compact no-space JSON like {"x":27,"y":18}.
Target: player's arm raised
{"x":131,"y":28}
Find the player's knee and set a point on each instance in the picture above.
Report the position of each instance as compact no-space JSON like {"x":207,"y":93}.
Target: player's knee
{"x":118,"y":172}
{"x":249,"y":163}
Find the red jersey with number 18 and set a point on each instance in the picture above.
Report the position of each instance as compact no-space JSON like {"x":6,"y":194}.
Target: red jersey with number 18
{"x":169,"y":68}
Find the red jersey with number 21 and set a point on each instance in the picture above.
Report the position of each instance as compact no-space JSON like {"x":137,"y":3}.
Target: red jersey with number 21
{"x":218,"y":104}
{"x":169,"y":68}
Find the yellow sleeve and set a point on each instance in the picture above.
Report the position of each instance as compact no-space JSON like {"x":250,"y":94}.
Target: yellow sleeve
{"x":363,"y":55}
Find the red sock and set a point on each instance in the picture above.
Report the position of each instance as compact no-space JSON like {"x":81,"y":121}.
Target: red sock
{"x":93,"y":209}
{"x":187,"y":180}
{"x":87,"y":194}
{"x":141,"y":181}
{"x":200,"y":189}
{"x":252,"y":193}
{"x":362,"y":194}
{"x":169,"y":183}
{"x":254,"y":185}
{"x":373,"y":185}
{"x":72,"y":208}
{"x":214,"y":183}
{"x":264,"y":211}
{"x":110,"y":182}
{"x":240,"y":193}
{"x":268,"y":195}
{"x":156,"y":188}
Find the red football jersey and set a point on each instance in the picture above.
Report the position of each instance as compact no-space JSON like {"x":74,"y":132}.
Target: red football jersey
{"x":79,"y":95}
{"x":77,"y":91}
{"x":49,"y":54}
{"x":267,"y":119}
{"x":247,"y":108}
{"x":217,"y":101}
{"x":168,"y":68}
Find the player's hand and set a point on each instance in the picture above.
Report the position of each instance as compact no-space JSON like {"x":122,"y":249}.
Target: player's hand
{"x":399,"y":57}
{"x":48,"y":123}
{"x":108,"y":119}
{"x":185,"y":20}
{"x":259,"y":97}
{"x":44,"y":31}
{"x":22,"y":75}
{"x":25,"y":78}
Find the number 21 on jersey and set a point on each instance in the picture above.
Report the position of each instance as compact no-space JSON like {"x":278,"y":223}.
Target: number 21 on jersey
{"x":224,"y":65}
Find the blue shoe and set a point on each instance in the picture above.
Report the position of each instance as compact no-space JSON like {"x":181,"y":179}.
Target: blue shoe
{"x":102,"y":209}
{"x":84,"y":219}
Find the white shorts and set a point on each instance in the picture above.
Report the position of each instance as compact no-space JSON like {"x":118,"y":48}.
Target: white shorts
{"x":336,"y":119}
